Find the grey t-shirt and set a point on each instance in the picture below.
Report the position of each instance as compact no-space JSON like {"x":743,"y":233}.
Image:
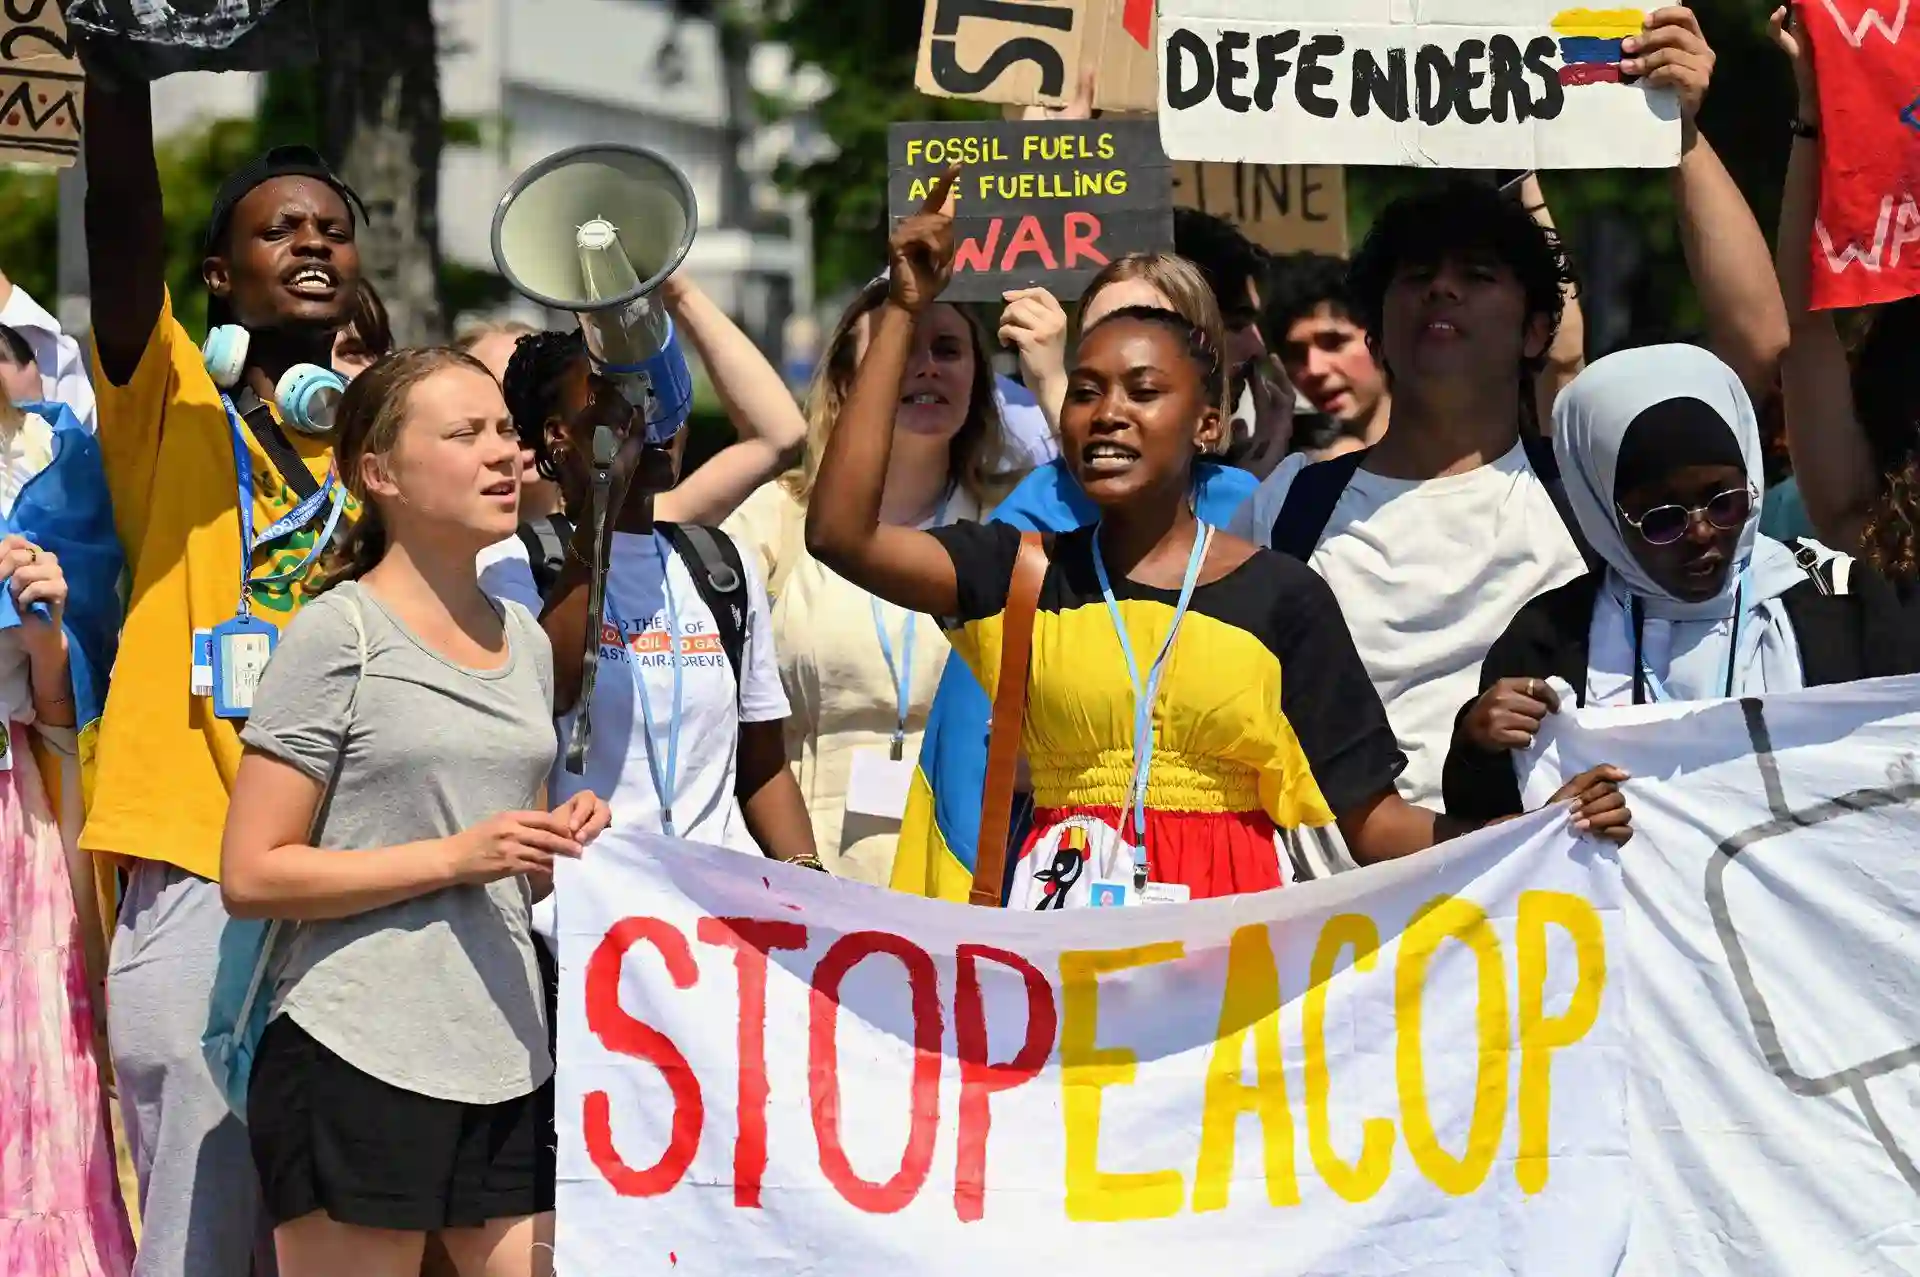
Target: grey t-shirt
{"x":440,"y":994}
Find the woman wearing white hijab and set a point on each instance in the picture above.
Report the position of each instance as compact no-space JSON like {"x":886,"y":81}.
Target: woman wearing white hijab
{"x":1660,"y":453}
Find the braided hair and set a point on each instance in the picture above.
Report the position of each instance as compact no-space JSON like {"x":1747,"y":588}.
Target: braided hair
{"x":532,"y":386}
{"x":1200,"y":346}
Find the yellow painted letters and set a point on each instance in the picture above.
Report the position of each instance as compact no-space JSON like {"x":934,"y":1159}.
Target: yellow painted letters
{"x":1363,"y":1178}
{"x":1250,"y":1008}
{"x":1541,"y":1035}
{"x":1451,"y":918}
{"x":1085,"y":1068}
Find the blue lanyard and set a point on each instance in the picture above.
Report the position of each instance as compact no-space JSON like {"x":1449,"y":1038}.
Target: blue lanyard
{"x":296,"y":518}
{"x":1145,"y":694}
{"x":1643,"y":679}
{"x":665,"y":777}
{"x":902,"y":674}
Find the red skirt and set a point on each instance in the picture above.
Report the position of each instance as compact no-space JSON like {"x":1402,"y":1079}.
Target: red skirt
{"x":1211,"y":853}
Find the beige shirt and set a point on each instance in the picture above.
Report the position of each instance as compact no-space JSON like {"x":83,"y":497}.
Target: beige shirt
{"x":842,"y":695}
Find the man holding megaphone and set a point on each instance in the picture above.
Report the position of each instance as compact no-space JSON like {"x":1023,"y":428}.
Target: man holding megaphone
{"x":220,"y":465}
{"x":674,"y":614}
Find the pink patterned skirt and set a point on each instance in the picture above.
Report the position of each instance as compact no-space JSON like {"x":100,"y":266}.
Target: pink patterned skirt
{"x":61,"y":1213}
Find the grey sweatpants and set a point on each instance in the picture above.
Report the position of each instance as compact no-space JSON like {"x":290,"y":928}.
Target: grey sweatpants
{"x":200,"y":1211}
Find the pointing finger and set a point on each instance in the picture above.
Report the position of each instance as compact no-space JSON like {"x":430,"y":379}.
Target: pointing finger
{"x":940,"y":198}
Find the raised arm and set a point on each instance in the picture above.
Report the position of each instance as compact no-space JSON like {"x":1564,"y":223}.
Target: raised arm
{"x":1725,"y":250}
{"x":126,"y":229}
{"x":772,"y":431}
{"x":905,"y":566}
{"x":1568,"y":354}
{"x":1831,"y":458}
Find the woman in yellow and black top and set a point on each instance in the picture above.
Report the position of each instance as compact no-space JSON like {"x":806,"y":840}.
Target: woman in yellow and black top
{"x":1265,"y":718}
{"x":1183,"y":758}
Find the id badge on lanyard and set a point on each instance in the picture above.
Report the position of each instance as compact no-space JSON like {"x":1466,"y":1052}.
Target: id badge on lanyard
{"x":241,"y":649}
{"x":1115,"y":892}
{"x":879,"y":781}
{"x":229,"y":660}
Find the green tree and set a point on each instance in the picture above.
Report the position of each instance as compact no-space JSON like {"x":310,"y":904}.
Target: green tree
{"x":191,"y":168}
{"x":868,"y":48}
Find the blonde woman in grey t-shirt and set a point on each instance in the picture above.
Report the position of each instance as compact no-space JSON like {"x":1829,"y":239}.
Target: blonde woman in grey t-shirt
{"x":404,"y":1084}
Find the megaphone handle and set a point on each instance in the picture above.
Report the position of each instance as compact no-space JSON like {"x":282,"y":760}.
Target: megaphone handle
{"x":596,"y":610}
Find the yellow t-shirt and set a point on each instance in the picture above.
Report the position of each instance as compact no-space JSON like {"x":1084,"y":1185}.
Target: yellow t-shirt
{"x":166,"y":763}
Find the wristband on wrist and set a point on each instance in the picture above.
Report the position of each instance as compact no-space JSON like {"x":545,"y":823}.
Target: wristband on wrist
{"x":1802,"y":128}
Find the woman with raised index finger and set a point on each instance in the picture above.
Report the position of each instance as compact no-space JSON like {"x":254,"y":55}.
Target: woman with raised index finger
{"x":1191,"y":694}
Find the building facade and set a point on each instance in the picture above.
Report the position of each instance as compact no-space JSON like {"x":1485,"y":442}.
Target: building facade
{"x":537,"y":76}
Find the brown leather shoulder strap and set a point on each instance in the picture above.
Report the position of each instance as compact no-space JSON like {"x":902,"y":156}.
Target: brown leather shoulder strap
{"x":1009,"y":712}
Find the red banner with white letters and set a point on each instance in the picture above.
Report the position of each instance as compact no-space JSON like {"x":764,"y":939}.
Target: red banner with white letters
{"x":1866,"y":237}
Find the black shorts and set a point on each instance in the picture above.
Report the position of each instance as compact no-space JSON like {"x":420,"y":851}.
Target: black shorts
{"x":327,"y":1137}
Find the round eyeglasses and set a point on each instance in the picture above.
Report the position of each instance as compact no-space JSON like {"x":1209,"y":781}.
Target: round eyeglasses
{"x":1665,"y":524}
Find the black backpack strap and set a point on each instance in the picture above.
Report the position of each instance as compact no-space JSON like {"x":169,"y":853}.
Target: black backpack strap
{"x":713,"y":560}
{"x":1546,"y":468}
{"x":531,"y":540}
{"x":546,"y":542}
{"x":265,"y":428}
{"x":1309,"y":504}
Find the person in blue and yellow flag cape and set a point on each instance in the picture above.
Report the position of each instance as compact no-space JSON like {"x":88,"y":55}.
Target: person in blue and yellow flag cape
{"x":60,"y":570}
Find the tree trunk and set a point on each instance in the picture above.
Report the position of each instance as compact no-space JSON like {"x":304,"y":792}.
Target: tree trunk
{"x":381,"y":127}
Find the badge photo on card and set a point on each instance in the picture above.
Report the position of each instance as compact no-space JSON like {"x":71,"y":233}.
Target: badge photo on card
{"x":241,"y":649}
{"x":1107,"y":895}
{"x":201,"y":680}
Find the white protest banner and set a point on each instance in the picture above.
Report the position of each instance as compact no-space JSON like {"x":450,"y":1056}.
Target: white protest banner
{"x":1773,"y":976}
{"x":1416,"y":1068}
{"x":1466,"y":84}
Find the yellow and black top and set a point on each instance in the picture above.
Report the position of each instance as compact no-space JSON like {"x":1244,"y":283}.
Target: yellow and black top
{"x":1264,"y":704}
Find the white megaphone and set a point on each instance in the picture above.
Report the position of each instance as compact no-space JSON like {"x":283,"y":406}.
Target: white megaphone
{"x":596,"y":230}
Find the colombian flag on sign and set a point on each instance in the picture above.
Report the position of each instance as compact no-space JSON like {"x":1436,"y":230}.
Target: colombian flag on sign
{"x":942,"y":825}
{"x":1590,"y":43}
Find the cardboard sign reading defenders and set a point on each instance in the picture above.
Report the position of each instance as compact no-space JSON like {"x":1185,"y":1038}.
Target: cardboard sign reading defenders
{"x":40,"y":86}
{"x":1022,"y":52}
{"x":1038,"y":204}
{"x":1472,"y":84}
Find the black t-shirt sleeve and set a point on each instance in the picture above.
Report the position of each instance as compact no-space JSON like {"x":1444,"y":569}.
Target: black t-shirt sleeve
{"x":1329,"y":700}
{"x":983,"y":556}
{"x":1477,"y":785}
{"x":1889,"y":626}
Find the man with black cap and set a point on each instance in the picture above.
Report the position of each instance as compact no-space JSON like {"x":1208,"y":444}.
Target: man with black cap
{"x":221,"y":470}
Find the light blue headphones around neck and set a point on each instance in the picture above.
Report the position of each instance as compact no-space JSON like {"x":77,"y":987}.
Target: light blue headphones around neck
{"x":307,"y":394}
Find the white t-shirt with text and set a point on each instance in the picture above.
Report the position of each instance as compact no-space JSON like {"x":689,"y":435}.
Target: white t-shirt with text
{"x":1428,"y":574}
{"x":636,"y":659}
{"x":713,"y":704}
